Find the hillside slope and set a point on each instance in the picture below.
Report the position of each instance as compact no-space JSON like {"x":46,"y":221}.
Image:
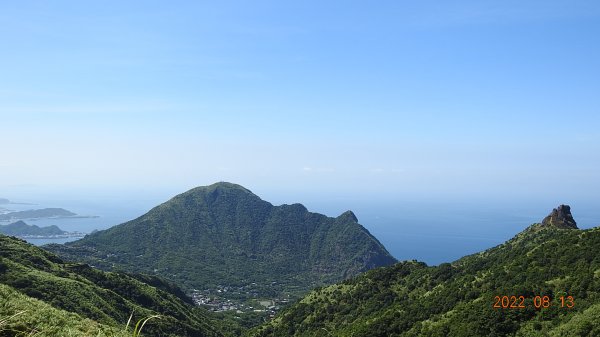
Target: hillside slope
{"x":21,"y":315}
{"x":224,"y":235}
{"x":81,"y":292}
{"x":553,"y":259}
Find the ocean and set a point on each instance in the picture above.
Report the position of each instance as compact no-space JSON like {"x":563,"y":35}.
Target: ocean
{"x":438,"y":232}
{"x":102,"y":215}
{"x":430,"y":232}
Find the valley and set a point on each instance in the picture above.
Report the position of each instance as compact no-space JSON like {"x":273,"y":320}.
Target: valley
{"x":223,"y":262}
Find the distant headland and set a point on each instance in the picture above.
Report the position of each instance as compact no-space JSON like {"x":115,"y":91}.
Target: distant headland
{"x":45,"y":213}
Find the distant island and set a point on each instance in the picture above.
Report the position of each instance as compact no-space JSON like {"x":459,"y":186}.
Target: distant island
{"x":22,"y":230}
{"x":44,"y":213}
{"x":4,"y":201}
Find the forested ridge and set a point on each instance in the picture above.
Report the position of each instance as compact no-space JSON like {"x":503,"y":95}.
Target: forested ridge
{"x":542,"y":266}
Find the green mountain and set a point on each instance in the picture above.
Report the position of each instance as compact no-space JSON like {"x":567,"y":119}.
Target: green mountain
{"x":544,"y":282}
{"x":41,"y":292}
{"x":20,"y":228}
{"x":224,"y":236}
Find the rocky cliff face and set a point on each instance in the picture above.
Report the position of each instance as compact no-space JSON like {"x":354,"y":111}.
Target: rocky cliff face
{"x":560,"y":217}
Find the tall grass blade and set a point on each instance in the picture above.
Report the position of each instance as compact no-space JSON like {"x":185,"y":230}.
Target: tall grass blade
{"x":13,"y":316}
{"x":136,"y":332}
{"x":129,"y":320}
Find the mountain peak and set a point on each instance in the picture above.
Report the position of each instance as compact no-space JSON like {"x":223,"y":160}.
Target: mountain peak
{"x":225,"y":185}
{"x":218,"y":188}
{"x":348,"y":216}
{"x":560,"y":217}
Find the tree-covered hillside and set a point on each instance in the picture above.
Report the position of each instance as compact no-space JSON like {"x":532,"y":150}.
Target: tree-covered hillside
{"x":78,"y":294}
{"x":224,"y":235}
{"x":552,"y":269}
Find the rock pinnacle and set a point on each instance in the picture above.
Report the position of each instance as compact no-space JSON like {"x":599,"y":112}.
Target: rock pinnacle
{"x":560,"y":217}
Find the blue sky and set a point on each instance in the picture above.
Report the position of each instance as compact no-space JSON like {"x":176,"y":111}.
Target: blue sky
{"x":398,"y":100}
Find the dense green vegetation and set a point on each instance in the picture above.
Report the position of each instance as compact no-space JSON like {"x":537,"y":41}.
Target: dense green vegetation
{"x":456,"y":299}
{"x":82,"y":292}
{"x":20,"y":228}
{"x":224,"y":235}
{"x":21,"y":315}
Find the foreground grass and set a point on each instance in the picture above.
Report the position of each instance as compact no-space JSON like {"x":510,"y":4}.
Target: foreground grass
{"x":21,"y":315}
{"x":107,"y":298}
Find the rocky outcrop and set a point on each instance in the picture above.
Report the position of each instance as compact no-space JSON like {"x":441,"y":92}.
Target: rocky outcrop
{"x":560,"y":217}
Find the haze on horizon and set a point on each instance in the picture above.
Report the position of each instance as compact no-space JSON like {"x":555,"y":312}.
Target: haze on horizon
{"x":476,"y":100}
